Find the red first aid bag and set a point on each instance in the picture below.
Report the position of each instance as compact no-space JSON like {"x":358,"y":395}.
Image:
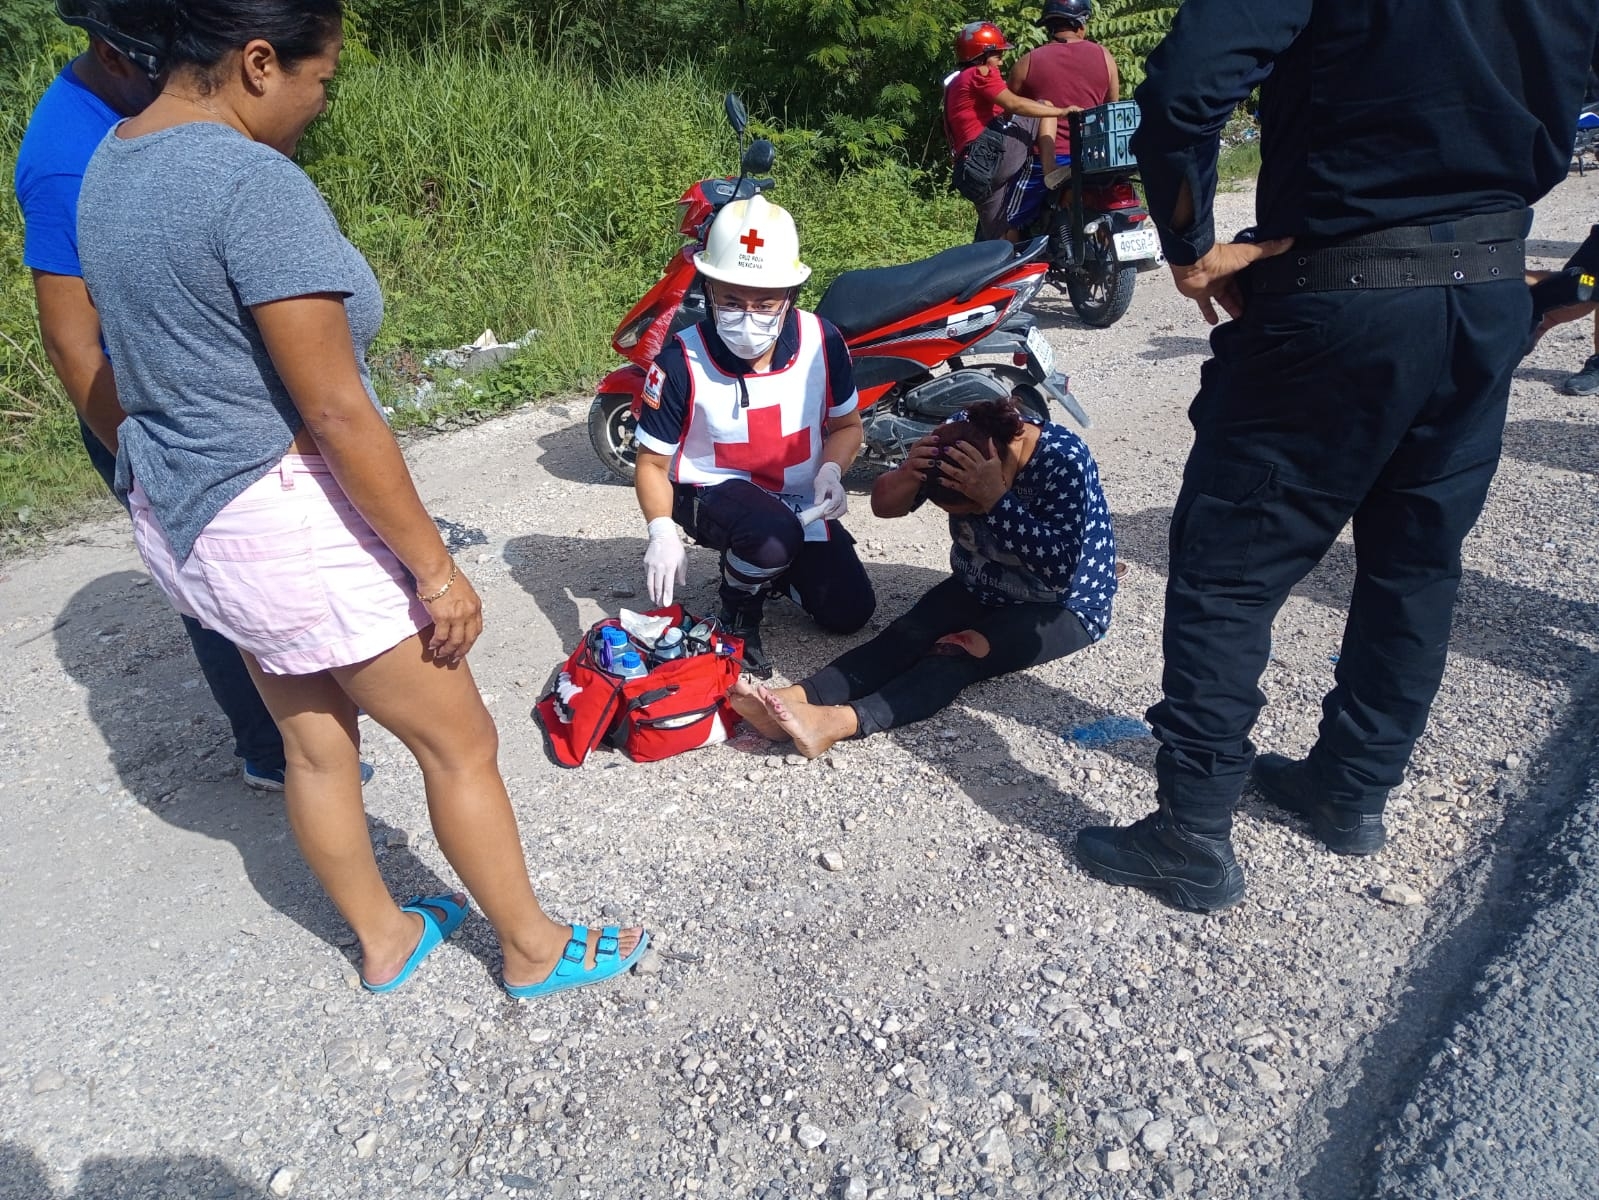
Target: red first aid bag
{"x":681,"y":704}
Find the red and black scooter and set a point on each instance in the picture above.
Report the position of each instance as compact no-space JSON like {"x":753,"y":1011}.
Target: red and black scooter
{"x":928,"y":338}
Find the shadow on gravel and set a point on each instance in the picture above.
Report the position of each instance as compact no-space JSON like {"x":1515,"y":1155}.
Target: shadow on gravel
{"x":1554,"y":378}
{"x":169,"y":1177}
{"x":1509,"y":625}
{"x":1166,"y":348}
{"x":560,"y":572}
{"x":1545,"y":248}
{"x":130,"y":693}
{"x":566,"y":453}
{"x":1564,"y":445}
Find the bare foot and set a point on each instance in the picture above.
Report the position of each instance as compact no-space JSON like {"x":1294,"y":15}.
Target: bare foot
{"x":747,"y":702}
{"x":814,"y":728}
{"x":538,"y":972}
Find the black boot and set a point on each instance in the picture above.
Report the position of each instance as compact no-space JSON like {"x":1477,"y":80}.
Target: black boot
{"x":741,"y":617}
{"x":1289,"y":785}
{"x":1181,"y":867}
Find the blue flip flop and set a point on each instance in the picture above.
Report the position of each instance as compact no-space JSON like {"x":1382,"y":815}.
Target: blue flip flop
{"x":570,"y":972}
{"x":433,"y":933}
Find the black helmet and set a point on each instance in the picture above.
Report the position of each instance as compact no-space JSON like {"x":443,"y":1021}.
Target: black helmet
{"x":1075,"y":11}
{"x":99,"y":18}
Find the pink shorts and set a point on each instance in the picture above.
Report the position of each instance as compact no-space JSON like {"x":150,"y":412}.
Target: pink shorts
{"x":289,"y":571}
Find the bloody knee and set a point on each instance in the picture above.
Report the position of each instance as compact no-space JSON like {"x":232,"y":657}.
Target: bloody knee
{"x":967,"y":642}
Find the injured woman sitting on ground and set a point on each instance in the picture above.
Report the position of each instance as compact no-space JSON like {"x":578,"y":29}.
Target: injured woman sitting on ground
{"x":1034,"y":576}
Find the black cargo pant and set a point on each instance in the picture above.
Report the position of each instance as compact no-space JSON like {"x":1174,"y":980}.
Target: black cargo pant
{"x":764,"y":549}
{"x":1380,"y":407}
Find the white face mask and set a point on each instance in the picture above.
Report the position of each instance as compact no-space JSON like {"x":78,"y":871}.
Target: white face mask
{"x":749,"y":335}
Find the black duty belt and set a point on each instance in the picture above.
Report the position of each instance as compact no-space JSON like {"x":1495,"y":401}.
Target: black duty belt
{"x":1483,"y":249}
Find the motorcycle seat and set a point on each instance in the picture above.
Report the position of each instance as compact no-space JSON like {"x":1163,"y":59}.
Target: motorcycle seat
{"x":860,"y":301}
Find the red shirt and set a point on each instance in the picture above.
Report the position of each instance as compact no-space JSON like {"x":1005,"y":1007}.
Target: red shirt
{"x":969,"y":104}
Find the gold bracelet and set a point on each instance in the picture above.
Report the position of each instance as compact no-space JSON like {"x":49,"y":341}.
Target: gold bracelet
{"x":439,"y":595}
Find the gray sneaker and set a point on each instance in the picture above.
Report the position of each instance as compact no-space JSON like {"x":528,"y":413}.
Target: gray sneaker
{"x":1586,"y":381}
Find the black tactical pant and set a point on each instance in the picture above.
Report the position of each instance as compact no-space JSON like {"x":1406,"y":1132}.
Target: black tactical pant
{"x":1384,"y":408}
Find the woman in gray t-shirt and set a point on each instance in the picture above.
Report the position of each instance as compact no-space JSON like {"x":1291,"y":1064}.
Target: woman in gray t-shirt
{"x":270,"y":499}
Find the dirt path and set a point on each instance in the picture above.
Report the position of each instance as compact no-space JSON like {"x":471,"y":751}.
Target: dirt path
{"x":958,"y":1011}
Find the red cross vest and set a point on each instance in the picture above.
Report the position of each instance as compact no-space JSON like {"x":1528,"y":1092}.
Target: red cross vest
{"x":776,"y":442}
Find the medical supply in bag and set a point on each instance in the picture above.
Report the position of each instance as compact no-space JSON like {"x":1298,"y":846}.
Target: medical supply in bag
{"x":677,"y":704}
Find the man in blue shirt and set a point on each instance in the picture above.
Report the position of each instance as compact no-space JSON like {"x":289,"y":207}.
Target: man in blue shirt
{"x":116,"y":77}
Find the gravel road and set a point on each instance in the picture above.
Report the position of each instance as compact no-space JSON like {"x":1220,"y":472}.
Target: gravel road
{"x":957,"y":1011}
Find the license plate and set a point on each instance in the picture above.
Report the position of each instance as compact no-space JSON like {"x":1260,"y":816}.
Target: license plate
{"x":1043,"y":353}
{"x":1134,"y":244}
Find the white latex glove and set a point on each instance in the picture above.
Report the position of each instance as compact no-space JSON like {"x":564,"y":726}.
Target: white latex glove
{"x":830,"y":495}
{"x":665,"y":561}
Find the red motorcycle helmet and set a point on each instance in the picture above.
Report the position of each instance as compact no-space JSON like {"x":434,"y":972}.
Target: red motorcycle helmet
{"x":976,"y":40}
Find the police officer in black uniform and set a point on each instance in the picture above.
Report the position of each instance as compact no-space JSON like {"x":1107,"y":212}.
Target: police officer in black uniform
{"x":1378,"y":311}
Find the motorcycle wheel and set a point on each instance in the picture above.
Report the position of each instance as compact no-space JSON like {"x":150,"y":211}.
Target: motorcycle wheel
{"x":1100,"y":290}
{"x":611,"y":427}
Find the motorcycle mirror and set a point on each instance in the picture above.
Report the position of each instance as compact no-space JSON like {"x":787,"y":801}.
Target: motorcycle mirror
{"x":760,"y":156}
{"x":736,"y":116}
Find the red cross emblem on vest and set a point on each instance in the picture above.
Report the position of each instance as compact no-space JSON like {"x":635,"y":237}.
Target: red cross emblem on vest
{"x":768,"y":454}
{"x":753,"y":241}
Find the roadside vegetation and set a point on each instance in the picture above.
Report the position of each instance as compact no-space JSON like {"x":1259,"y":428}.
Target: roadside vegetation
{"x":511,"y":167}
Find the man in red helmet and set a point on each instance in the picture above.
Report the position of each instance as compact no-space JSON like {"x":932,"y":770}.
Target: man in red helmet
{"x":1067,"y":69}
{"x":973,"y":96}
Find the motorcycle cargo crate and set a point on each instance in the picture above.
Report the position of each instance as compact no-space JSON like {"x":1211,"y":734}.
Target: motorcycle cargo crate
{"x":1104,"y":141}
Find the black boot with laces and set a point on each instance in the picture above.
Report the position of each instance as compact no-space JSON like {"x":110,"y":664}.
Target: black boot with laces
{"x":743,"y":620}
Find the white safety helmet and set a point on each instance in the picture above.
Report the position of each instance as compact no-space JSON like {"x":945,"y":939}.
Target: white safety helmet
{"x":753,"y":242}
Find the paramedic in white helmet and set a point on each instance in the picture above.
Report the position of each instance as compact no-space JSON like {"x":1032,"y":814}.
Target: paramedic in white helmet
{"x":748,"y":424}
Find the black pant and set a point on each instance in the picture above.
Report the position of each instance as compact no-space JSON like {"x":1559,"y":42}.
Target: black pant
{"x":255,"y":734}
{"x":1384,"y":407}
{"x":902,"y":675}
{"x":764,"y":548}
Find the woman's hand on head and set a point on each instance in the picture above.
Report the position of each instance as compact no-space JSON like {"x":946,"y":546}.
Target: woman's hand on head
{"x":977,"y":476}
{"x":457,"y":621}
{"x":923,"y":453}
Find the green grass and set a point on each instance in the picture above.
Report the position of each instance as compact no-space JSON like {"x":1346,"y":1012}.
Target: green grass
{"x":1239,"y":164}
{"x":494,"y":191}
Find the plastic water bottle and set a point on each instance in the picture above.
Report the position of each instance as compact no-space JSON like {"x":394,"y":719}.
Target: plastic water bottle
{"x":613,"y":642}
{"x":629,"y":665}
{"x":669,"y":645}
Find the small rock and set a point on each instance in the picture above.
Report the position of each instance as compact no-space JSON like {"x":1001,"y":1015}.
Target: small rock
{"x":928,"y":1155}
{"x":48,"y":1080}
{"x":1177,"y":1179}
{"x":367,"y":1144}
{"x":1120,"y":1159}
{"x":465,"y":1041}
{"x":650,"y":964}
{"x":1399,"y":894}
{"x":855,"y":1188}
{"x":1132,"y":1122}
{"x":993,"y":1151}
{"x":1202,"y":1130}
{"x":622,"y":591}
{"x":832,"y":860}
{"x":519,"y":1183}
{"x":1266,"y":1075}
{"x":914,"y":1107}
{"x":1035,"y":1102}
{"x":283,"y":1181}
{"x":810,"y":1136}
{"x":1512,"y":761}
{"x":1157,"y":1135}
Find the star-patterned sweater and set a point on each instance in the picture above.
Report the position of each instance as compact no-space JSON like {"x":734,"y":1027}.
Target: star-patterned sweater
{"x":1048,"y":540}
